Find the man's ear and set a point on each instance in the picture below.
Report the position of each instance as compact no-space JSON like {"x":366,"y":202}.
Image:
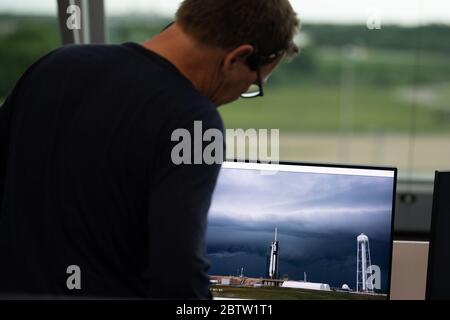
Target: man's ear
{"x":237,"y":56}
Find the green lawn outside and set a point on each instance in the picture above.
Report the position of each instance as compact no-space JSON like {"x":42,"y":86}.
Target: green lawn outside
{"x":315,"y":108}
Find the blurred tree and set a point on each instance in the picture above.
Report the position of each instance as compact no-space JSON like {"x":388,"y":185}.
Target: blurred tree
{"x":23,"y":39}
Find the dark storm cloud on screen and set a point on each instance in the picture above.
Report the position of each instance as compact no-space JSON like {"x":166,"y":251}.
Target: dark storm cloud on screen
{"x":318,"y":217}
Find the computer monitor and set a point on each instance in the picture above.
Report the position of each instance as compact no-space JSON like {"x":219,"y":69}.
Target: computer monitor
{"x":301,"y":231}
{"x":438,"y":280}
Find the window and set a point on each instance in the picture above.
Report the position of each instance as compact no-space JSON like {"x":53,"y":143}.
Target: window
{"x":28,"y":30}
{"x":370,"y":87}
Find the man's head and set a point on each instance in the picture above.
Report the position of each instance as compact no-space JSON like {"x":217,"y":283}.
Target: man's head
{"x":236,"y":41}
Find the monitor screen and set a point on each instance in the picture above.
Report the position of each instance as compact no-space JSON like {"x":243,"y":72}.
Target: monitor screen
{"x":296,"y":231}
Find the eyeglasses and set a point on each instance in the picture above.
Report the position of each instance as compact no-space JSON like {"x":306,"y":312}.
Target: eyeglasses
{"x":256,"y":89}
{"x":255,"y":61}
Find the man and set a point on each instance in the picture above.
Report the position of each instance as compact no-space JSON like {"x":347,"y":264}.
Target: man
{"x":93,"y":204}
